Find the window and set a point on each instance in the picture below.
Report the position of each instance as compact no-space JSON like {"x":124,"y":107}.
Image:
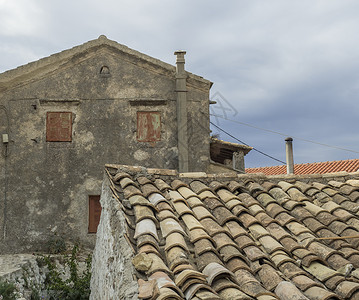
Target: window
{"x":94,"y":213}
{"x":148,"y":126}
{"x":59,"y":127}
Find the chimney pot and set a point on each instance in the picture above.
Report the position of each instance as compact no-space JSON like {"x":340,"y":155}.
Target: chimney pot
{"x":180,"y":61}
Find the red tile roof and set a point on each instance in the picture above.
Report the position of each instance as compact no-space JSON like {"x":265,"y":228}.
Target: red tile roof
{"x":350,"y":165}
{"x":222,"y":236}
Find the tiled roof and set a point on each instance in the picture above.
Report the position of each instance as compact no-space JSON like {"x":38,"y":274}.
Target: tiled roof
{"x":350,"y":165}
{"x":233,"y":146}
{"x":241,"y":236}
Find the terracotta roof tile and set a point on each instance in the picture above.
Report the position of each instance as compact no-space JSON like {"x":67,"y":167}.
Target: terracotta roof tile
{"x":351,"y":165}
{"x":261,"y":238}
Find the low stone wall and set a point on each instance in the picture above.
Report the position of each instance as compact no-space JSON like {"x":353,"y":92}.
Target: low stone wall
{"x":24,"y":271}
{"x":111,"y":262}
{"x":28,"y":272}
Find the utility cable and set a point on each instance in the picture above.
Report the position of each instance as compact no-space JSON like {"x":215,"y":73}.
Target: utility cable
{"x":233,"y":137}
{"x":3,"y":107}
{"x":6,"y":151}
{"x":276,"y":132}
{"x":6,"y":180}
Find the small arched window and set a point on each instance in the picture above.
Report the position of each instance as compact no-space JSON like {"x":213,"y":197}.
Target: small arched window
{"x":105,"y":71}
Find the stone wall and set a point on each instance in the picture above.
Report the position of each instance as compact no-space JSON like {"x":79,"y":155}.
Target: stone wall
{"x":112,"y":268}
{"x":29,"y":272}
{"x":24,"y":271}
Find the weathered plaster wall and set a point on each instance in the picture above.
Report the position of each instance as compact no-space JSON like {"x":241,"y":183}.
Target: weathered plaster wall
{"x":111,"y":260}
{"x":49,"y":182}
{"x":216,"y":168}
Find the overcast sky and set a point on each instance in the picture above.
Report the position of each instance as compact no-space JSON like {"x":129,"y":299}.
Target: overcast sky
{"x":288,"y":66}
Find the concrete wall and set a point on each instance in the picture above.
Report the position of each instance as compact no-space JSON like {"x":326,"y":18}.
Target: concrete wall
{"x":46,"y":189}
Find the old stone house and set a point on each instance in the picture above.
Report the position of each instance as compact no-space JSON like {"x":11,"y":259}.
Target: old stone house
{"x":63,"y":117}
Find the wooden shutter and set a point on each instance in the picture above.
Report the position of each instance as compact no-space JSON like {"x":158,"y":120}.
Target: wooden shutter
{"x":148,"y":126}
{"x":59,"y":127}
{"x":94,"y":213}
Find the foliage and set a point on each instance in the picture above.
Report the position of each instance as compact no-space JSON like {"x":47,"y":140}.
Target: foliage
{"x":63,"y":281}
{"x":215,"y":135}
{"x":76,"y":286}
{"x":7,"y":291}
{"x":56,"y":245}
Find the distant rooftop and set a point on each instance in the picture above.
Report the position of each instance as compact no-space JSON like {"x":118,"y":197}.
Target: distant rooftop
{"x":350,"y":165}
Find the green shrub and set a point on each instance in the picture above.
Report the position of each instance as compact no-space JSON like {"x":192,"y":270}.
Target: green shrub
{"x":56,"y":245}
{"x":76,"y":287}
{"x":7,"y":290}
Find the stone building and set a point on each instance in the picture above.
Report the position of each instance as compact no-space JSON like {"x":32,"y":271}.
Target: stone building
{"x":56,"y":115}
{"x":63,"y":117}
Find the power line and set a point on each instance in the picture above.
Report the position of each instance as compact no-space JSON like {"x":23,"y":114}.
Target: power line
{"x":233,"y":137}
{"x":276,"y":132}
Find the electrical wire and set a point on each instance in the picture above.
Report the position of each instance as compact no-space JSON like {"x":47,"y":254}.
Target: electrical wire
{"x":282,"y":134}
{"x":233,"y":137}
{"x":3,"y":107}
{"x":6,"y":151}
{"x":6,"y":182}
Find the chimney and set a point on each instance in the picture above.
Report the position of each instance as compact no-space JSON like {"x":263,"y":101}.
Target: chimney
{"x":182,"y":133}
{"x":289,"y":155}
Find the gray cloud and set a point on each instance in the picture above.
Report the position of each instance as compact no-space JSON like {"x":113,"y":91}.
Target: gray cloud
{"x":289,"y":66}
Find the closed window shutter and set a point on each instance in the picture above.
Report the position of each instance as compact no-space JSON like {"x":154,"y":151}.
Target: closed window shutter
{"x":148,"y":126}
{"x":59,"y":127}
{"x":94,"y":213}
